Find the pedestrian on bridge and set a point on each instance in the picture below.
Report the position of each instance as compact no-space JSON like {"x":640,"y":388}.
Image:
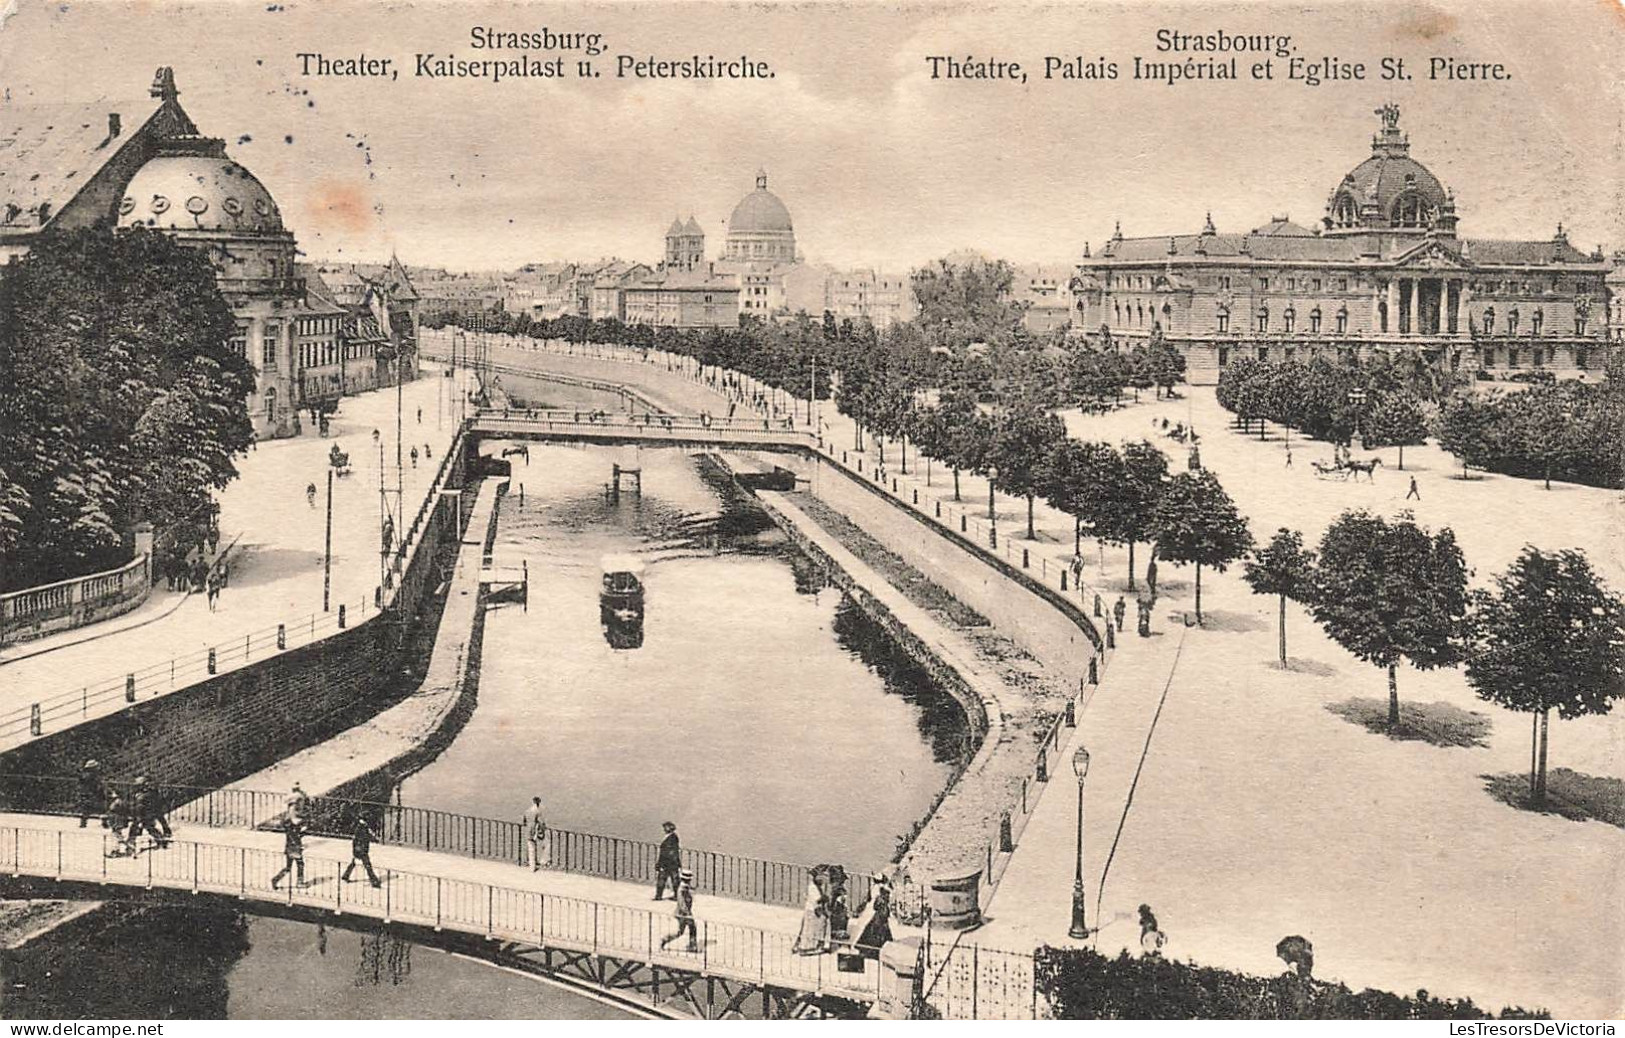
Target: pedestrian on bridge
{"x":669,"y":862}
{"x":536,"y":835}
{"x":299,"y":802}
{"x":92,"y":794}
{"x":361,"y":851}
{"x":145,"y":815}
{"x":414,"y":457}
{"x":293,"y":850}
{"x":685,"y":912}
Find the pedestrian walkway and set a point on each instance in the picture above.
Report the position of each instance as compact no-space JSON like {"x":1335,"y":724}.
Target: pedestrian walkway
{"x":739,"y":940}
{"x":276,"y":574}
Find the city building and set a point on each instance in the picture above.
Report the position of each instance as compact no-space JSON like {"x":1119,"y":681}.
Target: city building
{"x":144,"y":163}
{"x":759,"y":230}
{"x":1046,"y":292}
{"x":321,"y":345}
{"x":1385,"y":269}
{"x":857,"y":294}
{"x":683,"y":299}
{"x":1616,"y":299}
{"x":609,"y":287}
{"x":685,"y":245}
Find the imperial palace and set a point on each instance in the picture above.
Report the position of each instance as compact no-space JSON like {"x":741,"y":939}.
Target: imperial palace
{"x":1384,"y":270}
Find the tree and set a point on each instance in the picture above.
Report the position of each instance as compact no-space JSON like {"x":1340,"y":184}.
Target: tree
{"x":1551,"y":636}
{"x":1283,"y":568}
{"x":1464,"y":428}
{"x":966,"y":434}
{"x":968,"y":302}
{"x":1398,"y":420}
{"x":1076,"y":476}
{"x":1127,"y":511}
{"x":121,"y":400}
{"x":1197,"y":523}
{"x":1390,"y":592}
{"x":1023,"y":436}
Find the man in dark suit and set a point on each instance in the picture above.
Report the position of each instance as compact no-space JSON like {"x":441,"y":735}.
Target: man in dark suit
{"x":669,"y":863}
{"x":361,"y":850}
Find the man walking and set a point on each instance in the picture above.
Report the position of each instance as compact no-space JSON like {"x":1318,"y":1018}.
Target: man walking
{"x":1413,"y":492}
{"x":1119,"y":608}
{"x":92,"y":794}
{"x":361,"y":850}
{"x":536,"y":834}
{"x":1289,"y":457}
{"x":293,"y":851}
{"x":685,"y":912}
{"x":669,"y":862}
{"x":1151,"y":577}
{"x":144,"y":815}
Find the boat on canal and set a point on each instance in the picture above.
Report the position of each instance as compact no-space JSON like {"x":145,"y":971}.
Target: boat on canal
{"x":620,"y":598}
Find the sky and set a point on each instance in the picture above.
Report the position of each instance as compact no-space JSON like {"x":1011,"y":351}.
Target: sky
{"x":879,"y":164}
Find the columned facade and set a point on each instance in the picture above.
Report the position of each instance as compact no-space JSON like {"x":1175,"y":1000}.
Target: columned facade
{"x":1384,"y":270}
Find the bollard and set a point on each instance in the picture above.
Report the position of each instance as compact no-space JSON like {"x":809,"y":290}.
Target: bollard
{"x":1072,"y":708}
{"x":1111,"y":637}
{"x":211,"y":661}
{"x":1094,"y":671}
{"x":1007,"y":842}
{"x":939,"y":509}
{"x":894,"y":484}
{"x":1024,"y":563}
{"x":860,"y":464}
{"x":1041,"y":773}
{"x":129,"y":688}
{"x":281,"y":637}
{"x":34,"y":723}
{"x":993,"y":538}
{"x":341,"y":615}
{"x":961,"y":522}
{"x":1063,"y":580}
{"x":916,"y":495}
{"x":1097,"y":607}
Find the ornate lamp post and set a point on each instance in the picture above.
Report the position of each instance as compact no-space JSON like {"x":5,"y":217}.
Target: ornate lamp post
{"x":1357,"y":401}
{"x":992,"y":513}
{"x":1080,"y":929}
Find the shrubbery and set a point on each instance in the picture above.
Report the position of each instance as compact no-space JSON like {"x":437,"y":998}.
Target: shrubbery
{"x":1083,"y":985}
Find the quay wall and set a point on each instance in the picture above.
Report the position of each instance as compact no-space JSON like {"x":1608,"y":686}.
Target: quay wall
{"x":1044,"y":622}
{"x":238,"y":722}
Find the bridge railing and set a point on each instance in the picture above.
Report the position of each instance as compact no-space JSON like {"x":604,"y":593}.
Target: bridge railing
{"x":490,"y":839}
{"x":744,"y":953}
{"x":65,"y":708}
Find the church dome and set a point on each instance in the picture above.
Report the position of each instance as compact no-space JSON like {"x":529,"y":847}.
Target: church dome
{"x":760,"y":212}
{"x":199,"y":189}
{"x":1390,"y":189}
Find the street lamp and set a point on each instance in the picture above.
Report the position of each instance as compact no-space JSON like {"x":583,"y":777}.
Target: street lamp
{"x":1357,"y":400}
{"x":992,"y":514}
{"x":1080,"y":929}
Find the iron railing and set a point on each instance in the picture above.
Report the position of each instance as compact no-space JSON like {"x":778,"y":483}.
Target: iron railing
{"x":743,"y":953}
{"x":615,"y":858}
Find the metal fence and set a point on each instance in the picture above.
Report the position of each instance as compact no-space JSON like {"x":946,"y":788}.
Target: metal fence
{"x":739,"y":952}
{"x":491,"y":839}
{"x":961,"y":981}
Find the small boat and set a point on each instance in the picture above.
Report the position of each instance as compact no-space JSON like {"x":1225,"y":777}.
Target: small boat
{"x":621,"y":596}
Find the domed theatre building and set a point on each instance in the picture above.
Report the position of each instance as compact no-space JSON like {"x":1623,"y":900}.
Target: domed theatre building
{"x":759,"y":231}
{"x":143,"y":163}
{"x":1384,"y":269}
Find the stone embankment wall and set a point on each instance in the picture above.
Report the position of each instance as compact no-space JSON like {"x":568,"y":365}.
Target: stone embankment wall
{"x":241,"y":721}
{"x":1049,"y":627}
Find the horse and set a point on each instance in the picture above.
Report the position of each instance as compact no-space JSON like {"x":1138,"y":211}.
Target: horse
{"x":1368,"y":466}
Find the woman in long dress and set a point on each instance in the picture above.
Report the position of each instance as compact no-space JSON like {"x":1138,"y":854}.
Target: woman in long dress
{"x":877,"y":931}
{"x":814,"y":936}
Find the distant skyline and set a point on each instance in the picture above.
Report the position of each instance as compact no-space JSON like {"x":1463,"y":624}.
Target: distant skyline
{"x":879,"y":165}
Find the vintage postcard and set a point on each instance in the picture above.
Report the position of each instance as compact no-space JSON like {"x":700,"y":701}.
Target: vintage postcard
{"x":911,"y":510}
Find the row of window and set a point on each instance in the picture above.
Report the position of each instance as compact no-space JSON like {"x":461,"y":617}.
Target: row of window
{"x":1511,"y":358}
{"x":1294,"y":283}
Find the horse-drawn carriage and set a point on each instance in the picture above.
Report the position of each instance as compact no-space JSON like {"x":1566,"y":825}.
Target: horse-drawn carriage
{"x":1342,"y":468}
{"x":339,"y":460}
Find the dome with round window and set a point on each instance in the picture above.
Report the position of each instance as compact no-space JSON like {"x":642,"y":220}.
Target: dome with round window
{"x":1388,"y":190}
{"x":198,"y":189}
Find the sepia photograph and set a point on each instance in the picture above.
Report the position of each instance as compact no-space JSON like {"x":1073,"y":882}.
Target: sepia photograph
{"x":848,"y":510}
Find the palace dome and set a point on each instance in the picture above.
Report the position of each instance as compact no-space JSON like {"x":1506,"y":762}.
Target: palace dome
{"x":1389,"y":189}
{"x":760,"y":212}
{"x":198,"y":190}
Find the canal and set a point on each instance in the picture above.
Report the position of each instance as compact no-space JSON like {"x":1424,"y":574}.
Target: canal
{"x":756,"y":707}
{"x":761,"y":712}
{"x":216,"y":963}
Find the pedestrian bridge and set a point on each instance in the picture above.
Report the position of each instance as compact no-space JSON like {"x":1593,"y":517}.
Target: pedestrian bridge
{"x":583,"y":927}
{"x":644,"y":428}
